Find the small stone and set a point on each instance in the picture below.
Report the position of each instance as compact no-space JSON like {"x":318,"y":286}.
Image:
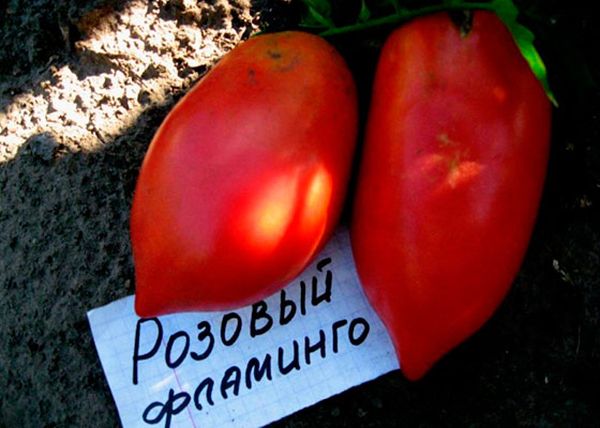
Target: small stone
{"x":42,"y":146}
{"x":144,"y":97}
{"x":153,"y":71}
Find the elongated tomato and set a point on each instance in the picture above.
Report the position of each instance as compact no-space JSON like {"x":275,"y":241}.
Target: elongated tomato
{"x":245,"y":179}
{"x":451,"y":176}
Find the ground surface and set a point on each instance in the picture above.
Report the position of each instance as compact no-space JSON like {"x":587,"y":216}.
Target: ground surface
{"x":84,"y":85}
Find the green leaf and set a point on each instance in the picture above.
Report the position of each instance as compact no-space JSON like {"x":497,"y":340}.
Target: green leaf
{"x":318,"y":14}
{"x":524,"y":38}
{"x":322,"y":7}
{"x":364,"y":13}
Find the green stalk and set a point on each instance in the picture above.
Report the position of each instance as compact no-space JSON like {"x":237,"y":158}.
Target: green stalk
{"x":405,"y":15}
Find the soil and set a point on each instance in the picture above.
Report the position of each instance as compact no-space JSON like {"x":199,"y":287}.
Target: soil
{"x":83,"y":86}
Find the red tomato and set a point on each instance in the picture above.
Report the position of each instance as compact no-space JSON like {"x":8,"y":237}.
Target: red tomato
{"x":452,"y":171}
{"x":245,"y":179}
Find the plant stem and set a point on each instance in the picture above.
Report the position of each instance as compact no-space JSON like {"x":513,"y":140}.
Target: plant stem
{"x":405,"y":15}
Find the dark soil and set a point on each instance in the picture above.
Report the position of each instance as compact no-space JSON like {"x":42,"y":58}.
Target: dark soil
{"x":83,"y":86}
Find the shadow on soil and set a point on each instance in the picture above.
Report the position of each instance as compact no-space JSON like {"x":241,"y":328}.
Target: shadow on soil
{"x":65,"y":250}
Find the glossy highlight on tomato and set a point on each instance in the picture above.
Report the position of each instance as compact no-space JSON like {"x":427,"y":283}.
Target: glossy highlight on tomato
{"x":244,"y":181}
{"x":450,"y":180}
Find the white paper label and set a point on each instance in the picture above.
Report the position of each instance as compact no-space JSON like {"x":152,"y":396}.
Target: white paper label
{"x":315,"y":338}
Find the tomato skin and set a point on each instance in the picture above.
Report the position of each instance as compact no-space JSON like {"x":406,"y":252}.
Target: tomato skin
{"x":245,"y":179}
{"x":452,"y":171}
